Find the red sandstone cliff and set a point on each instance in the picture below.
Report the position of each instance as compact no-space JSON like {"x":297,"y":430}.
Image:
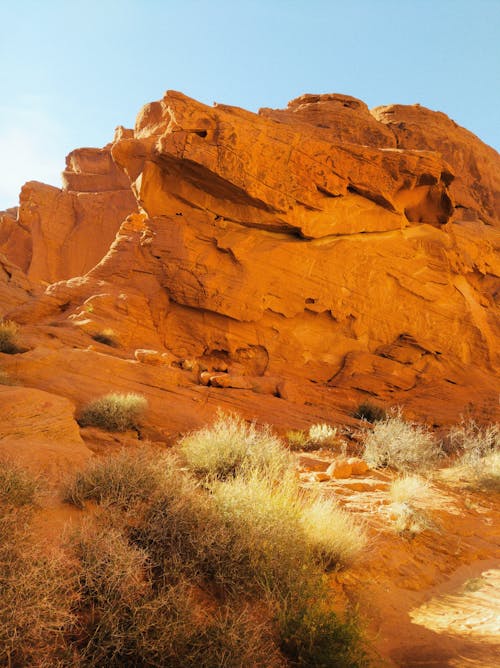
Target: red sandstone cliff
{"x":289,"y":264}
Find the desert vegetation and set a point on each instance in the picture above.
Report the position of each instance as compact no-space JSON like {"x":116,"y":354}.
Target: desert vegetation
{"x":210,"y":554}
{"x":370,"y":412}
{"x":200,"y":565}
{"x":319,"y":436}
{"x":114,"y":412}
{"x":400,"y":444}
{"x":477,"y":448}
{"x":9,"y":337}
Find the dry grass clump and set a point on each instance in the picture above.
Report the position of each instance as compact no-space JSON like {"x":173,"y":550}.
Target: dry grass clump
{"x":404,"y":492}
{"x":408,"y":488}
{"x":114,"y":412}
{"x":298,"y":440}
{"x":399,"y":444}
{"x":478,"y":447}
{"x":230,"y":446}
{"x":9,"y":337}
{"x":322,"y":435}
{"x":18,"y":487}
{"x":263,"y":521}
{"x":120,"y":479}
{"x":332,"y":533}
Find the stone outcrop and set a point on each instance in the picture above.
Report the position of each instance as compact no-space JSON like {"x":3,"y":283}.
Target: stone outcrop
{"x":288,"y":263}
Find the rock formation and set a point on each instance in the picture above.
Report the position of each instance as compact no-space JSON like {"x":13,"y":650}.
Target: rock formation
{"x":289,"y":264}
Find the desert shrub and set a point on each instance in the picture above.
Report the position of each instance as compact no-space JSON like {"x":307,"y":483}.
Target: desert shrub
{"x":399,"y":444}
{"x":478,"y":447}
{"x":8,"y":337}
{"x":107,"y":337}
{"x":230,"y":446}
{"x":322,"y":435}
{"x":114,"y":412}
{"x":133,"y":621}
{"x":268,"y":546}
{"x":408,"y":488}
{"x":314,"y":637}
{"x":298,"y":440}
{"x":120,"y":479}
{"x":332,"y":533}
{"x":37,"y":588}
{"x":18,"y":487}
{"x":369,"y":412}
{"x":204,"y":572}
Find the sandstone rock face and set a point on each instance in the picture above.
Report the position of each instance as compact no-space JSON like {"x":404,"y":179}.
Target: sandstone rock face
{"x":61,"y":233}
{"x":39,"y":432}
{"x":289,"y":263}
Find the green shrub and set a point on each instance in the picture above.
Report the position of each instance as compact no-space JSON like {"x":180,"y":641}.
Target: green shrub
{"x":399,"y":444}
{"x":204,"y":573}
{"x":314,"y":637}
{"x":114,"y":412}
{"x":369,"y":412}
{"x":268,"y":546}
{"x":8,"y":337}
{"x":230,"y":446}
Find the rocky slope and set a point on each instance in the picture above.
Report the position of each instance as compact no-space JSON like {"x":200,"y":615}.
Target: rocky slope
{"x":288,"y":264}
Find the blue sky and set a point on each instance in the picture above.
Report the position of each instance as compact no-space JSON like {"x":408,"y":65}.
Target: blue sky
{"x":72,"y":70}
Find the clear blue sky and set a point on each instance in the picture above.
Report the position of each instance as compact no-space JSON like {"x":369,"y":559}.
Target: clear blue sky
{"x":73,"y":70}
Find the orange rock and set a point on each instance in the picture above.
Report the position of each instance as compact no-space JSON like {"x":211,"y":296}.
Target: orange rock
{"x":340,"y":468}
{"x":39,"y":431}
{"x":297,"y":255}
{"x":358,"y":466}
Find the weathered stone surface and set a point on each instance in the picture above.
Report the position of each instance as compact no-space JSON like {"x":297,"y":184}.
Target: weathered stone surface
{"x":476,"y":166}
{"x":340,"y":468}
{"x":39,"y":432}
{"x":299,"y":265}
{"x":358,"y":466}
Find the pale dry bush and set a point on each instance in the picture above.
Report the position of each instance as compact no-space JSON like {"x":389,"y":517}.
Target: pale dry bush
{"x":408,"y":488}
{"x":114,"y":412}
{"x":478,"y":447}
{"x":231,"y":447}
{"x":399,"y":444}
{"x":332,"y":533}
{"x":408,"y":520}
{"x":322,"y":434}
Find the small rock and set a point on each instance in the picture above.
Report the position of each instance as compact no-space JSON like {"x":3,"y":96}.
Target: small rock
{"x":205,"y":377}
{"x":359,"y":466}
{"x":340,"y":468}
